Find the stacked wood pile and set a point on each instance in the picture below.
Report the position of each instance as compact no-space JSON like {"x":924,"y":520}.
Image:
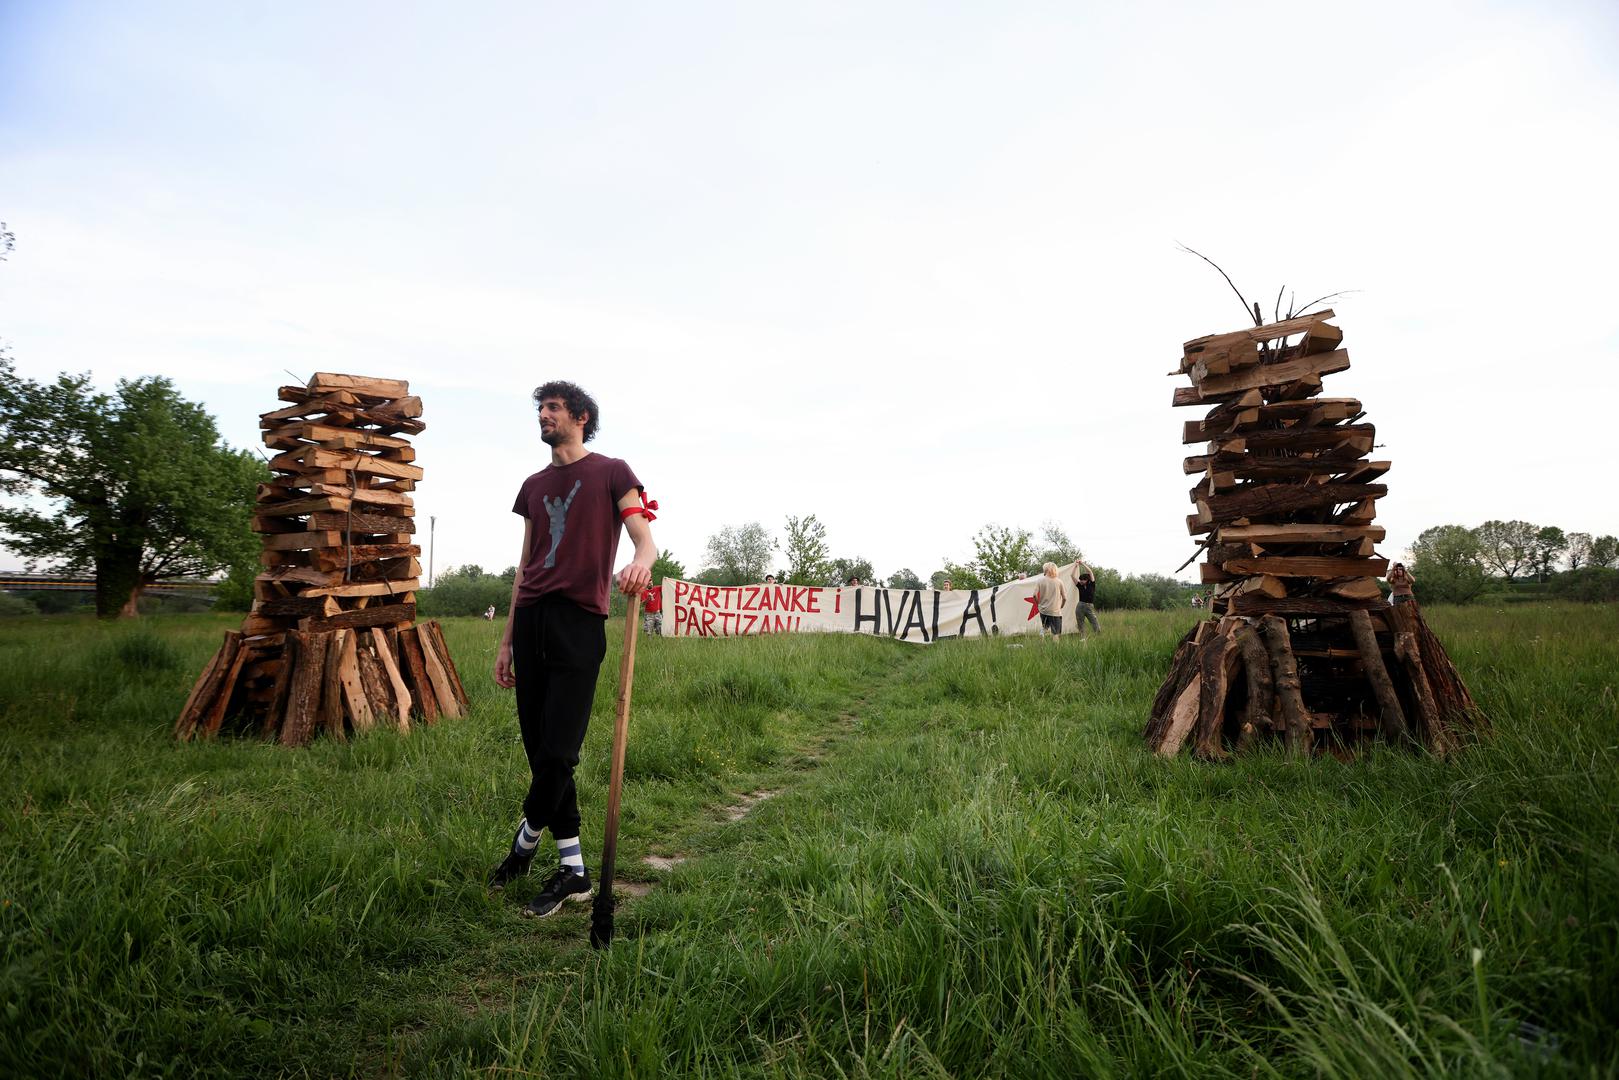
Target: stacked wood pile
{"x":1300,"y":644}
{"x":330,"y":644}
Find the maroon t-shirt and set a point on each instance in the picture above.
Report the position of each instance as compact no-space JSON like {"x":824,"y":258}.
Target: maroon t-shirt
{"x":574,"y":509}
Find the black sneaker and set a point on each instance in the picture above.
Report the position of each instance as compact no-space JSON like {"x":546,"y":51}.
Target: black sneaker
{"x":513,"y":867}
{"x":564,"y":885}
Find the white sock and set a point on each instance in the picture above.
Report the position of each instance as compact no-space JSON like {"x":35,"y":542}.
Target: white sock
{"x":568,"y":852}
{"x":526,"y":839}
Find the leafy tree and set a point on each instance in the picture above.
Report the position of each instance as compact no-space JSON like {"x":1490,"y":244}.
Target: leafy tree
{"x":844,"y":569}
{"x":1446,"y":562}
{"x":465,"y":590}
{"x":1591,"y":584}
{"x":1003,"y":554}
{"x":1056,"y":546}
{"x":1509,"y":546}
{"x":1604,"y":551}
{"x":1550,"y":543}
{"x":737,"y":555}
{"x":960,"y":577}
{"x":809,"y":559}
{"x":905,"y":578}
{"x":666,"y":566}
{"x":142,"y":486}
{"x":1579,"y":549}
{"x":1163,"y":592}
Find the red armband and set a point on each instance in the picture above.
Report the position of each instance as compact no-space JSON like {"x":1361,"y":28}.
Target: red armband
{"x":645,"y":509}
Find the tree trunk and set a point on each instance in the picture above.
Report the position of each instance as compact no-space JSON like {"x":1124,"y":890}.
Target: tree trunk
{"x":118,"y":582}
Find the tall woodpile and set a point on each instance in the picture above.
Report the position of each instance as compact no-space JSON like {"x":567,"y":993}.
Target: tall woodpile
{"x":1300,"y":644}
{"x":331,"y":643}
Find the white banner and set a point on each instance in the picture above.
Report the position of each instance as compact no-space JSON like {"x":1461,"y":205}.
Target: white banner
{"x":916,"y":615}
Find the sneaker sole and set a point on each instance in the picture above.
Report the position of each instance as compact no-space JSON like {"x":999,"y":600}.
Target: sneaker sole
{"x":530,"y":913}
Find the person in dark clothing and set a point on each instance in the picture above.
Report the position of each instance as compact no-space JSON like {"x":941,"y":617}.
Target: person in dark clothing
{"x":555,"y":634}
{"x":1085,"y":609}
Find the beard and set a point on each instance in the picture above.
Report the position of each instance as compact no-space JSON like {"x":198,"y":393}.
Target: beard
{"x":550,"y":437}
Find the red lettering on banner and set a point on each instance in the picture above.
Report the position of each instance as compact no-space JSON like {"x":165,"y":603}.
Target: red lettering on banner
{"x":813,"y":601}
{"x":708,"y":622}
{"x":765,"y":603}
{"x":681,"y":589}
{"x":710,"y":595}
{"x":752,"y":619}
{"x":750,"y":601}
{"x":838,"y":600}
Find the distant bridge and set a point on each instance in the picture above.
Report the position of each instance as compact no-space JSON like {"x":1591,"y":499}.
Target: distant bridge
{"x":17,"y":581}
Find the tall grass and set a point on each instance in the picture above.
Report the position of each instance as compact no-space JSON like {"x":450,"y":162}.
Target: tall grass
{"x":972,"y":867}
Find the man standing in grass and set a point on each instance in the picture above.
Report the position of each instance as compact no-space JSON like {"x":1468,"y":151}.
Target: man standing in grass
{"x":1086,"y":607}
{"x":556,"y":626}
{"x":1053,"y":598}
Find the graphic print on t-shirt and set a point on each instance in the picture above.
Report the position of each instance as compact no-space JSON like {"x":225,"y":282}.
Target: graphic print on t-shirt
{"x":557,"y":510}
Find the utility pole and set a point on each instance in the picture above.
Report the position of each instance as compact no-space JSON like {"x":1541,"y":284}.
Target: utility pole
{"x":432,"y":527}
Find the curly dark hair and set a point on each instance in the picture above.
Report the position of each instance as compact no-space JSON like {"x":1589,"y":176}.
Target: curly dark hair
{"x":577,"y":401}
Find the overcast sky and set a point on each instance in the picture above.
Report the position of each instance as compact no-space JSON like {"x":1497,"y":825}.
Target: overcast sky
{"x":910,"y":267}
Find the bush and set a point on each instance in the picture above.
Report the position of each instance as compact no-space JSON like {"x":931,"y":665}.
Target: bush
{"x":62,"y":602}
{"x":1590,"y":584}
{"x":465,"y":591}
{"x":12,"y":604}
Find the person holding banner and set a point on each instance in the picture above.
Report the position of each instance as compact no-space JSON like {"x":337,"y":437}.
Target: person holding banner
{"x":1085,"y":608}
{"x":555,"y":635}
{"x":1053,"y":598}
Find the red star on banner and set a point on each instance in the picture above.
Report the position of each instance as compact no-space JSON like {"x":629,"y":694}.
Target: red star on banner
{"x":1034,"y":605}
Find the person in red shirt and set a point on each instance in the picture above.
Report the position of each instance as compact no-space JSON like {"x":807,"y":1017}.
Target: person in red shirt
{"x":652,"y":605}
{"x":555,"y":634}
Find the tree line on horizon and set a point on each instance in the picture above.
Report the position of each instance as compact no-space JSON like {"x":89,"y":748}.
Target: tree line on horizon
{"x":137,"y":486}
{"x":1459,"y":565}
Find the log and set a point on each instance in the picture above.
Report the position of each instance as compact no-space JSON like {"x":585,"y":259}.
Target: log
{"x":1298,"y":533}
{"x":359,"y":708}
{"x":1274,"y":500}
{"x":1268,"y":332}
{"x":1408,"y":652}
{"x":1285,"y":675}
{"x":1181,"y":668}
{"x":214,"y":715}
{"x":331,"y":693}
{"x":275,"y":709}
{"x":1371,"y":661}
{"x":1358,"y":589}
{"x":1250,"y":604}
{"x":400,"y":588}
{"x":202,"y":690}
{"x":349,"y":438}
{"x":374,"y":496}
{"x":303,"y":702}
{"x":1214,"y":670}
{"x":337,"y":401}
{"x":390,"y":614}
{"x":378,"y":691}
{"x":360,"y":385}
{"x":1181,"y":718}
{"x":352,"y":522}
{"x":443,"y":647}
{"x":443,"y":688}
{"x":1261,"y":687}
{"x":297,"y":507}
{"x":401,"y":694}
{"x":1267,"y":375}
{"x":343,"y":461}
{"x":300,"y":541}
{"x":410,"y":649}
{"x":334,"y":556}
{"x":298,"y":607}
{"x":407,"y":406}
{"x":1296,"y":439}
{"x":1308,"y":566}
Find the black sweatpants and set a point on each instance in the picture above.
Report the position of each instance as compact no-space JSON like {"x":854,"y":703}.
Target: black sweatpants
{"x":557,"y":649}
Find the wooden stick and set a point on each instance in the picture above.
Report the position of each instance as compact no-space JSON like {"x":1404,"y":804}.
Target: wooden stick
{"x":1261,"y":688}
{"x":1286,"y":672}
{"x":1371,"y":659}
{"x":601,"y":931}
{"x":1213,"y":665}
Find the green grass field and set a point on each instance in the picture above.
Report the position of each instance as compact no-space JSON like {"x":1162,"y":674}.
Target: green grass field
{"x":968,"y":866}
